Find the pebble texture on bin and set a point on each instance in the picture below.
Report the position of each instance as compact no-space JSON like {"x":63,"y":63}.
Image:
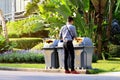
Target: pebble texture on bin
{"x":50,"y":54}
{"x":87,"y":53}
{"x":77,"y":50}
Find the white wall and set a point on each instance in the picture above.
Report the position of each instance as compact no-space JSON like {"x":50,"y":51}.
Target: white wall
{"x":19,"y":5}
{"x":6,"y":6}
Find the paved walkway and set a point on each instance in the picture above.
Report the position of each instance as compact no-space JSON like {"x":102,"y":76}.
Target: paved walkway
{"x":23,"y":75}
{"x":38,"y":74}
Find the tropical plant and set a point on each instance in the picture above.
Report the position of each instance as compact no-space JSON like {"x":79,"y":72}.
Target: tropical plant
{"x":5,"y":46}
{"x":28,"y":26}
{"x":89,"y":17}
{"x":56,"y":12}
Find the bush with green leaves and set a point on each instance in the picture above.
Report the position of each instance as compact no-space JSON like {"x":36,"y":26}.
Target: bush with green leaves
{"x":31,"y":26}
{"x":115,"y":39}
{"x":25,"y":43}
{"x":38,"y":46}
{"x":114,"y":50}
{"x":4,"y":46}
{"x":22,"y":58}
{"x":94,"y":58}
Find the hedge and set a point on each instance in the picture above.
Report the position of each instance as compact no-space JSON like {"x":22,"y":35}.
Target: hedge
{"x":38,"y":46}
{"x":26,"y":43}
{"x":22,"y":58}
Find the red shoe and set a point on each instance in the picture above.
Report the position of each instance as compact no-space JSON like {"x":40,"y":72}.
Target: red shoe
{"x":74,"y":72}
{"x":67,"y":71}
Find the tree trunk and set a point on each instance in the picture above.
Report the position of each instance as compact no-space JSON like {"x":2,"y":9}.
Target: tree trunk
{"x":99,"y":8}
{"x":100,"y":19}
{"x":108,"y":32}
{"x":4,"y":28}
{"x":111,"y":3}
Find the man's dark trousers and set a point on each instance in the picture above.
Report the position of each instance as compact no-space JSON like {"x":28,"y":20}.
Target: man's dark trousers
{"x":68,"y":50}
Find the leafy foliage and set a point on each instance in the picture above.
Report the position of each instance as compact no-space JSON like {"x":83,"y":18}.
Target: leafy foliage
{"x":32,"y":7}
{"x":114,"y":50}
{"x":94,"y":58}
{"x":56,"y":12}
{"x":4,"y":46}
{"x":30,"y":25}
{"x":38,"y":46}
{"x":22,"y":58}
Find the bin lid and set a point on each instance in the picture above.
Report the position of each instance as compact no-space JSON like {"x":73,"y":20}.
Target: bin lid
{"x":50,"y":43}
{"x":87,"y":42}
{"x":81,"y":41}
{"x":76,"y":43}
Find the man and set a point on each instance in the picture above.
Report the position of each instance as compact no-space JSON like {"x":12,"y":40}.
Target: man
{"x":67,"y":34}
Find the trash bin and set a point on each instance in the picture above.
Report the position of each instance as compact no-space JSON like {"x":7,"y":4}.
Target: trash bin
{"x":86,"y":55}
{"x":50,"y":53}
{"x":61,"y":55}
{"x":83,"y":49}
{"x":77,"y":48}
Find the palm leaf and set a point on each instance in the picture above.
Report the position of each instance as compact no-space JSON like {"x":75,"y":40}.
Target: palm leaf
{"x":64,"y":11}
{"x":117,"y":5}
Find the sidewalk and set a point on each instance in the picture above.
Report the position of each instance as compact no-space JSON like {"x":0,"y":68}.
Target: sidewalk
{"x":23,"y":75}
{"x":55,"y":71}
{"x":38,"y":70}
{"x":111,"y":73}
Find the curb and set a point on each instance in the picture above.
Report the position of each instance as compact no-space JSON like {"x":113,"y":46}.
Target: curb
{"x":38,"y":70}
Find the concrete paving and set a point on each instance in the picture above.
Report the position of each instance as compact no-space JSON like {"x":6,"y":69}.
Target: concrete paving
{"x":23,"y":75}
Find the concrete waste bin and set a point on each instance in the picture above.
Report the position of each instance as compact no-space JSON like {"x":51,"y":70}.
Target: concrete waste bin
{"x":86,"y":55}
{"x":77,"y":48}
{"x":51,"y":54}
{"x":83,"y":48}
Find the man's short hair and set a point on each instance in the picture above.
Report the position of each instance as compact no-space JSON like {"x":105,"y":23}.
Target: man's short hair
{"x":70,"y":19}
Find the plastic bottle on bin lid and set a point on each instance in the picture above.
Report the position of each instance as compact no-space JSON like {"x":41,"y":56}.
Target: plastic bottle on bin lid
{"x":60,"y":43}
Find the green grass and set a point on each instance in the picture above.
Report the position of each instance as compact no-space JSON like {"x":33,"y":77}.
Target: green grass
{"x":22,"y":65}
{"x":111,"y":65}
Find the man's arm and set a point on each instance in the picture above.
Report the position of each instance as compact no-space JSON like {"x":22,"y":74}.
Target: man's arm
{"x":74,"y":32}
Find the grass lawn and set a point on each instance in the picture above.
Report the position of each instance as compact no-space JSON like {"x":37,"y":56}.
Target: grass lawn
{"x":110,"y":65}
{"x":22,"y":65}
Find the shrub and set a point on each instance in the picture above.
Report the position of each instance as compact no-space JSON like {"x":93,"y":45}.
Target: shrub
{"x":22,"y":58}
{"x":94,"y":58}
{"x":38,"y":47}
{"x":115,"y":39}
{"x":114,"y":50}
{"x":4,"y":46}
{"x":28,"y":27}
{"x":25,"y":43}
